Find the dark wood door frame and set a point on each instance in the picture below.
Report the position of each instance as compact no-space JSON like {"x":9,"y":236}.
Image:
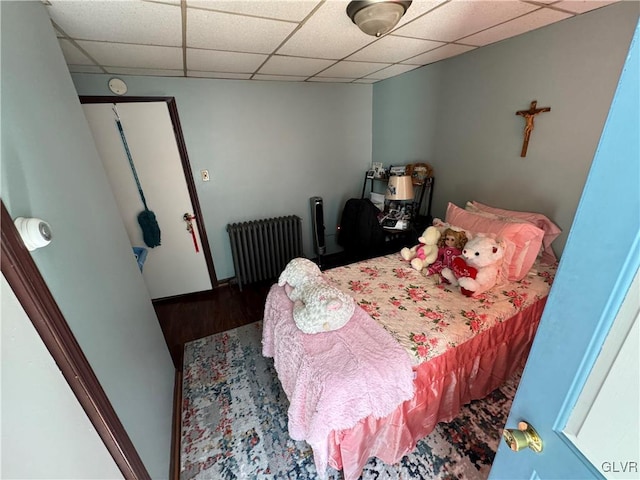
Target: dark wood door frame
{"x":186,"y":167}
{"x":32,"y":292}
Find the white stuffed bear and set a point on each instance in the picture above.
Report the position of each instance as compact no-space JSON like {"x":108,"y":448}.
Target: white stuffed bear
{"x":476,"y":270}
{"x":318,"y":306}
{"x":296,"y":274}
{"x":322,"y":307}
{"x":426,"y":252}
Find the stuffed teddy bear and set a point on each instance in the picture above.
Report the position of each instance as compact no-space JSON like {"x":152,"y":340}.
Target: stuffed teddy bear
{"x":317,"y":306}
{"x":476,"y":270}
{"x":322,"y":308}
{"x":296,"y":274}
{"x":426,"y":252}
{"x":450,"y":246}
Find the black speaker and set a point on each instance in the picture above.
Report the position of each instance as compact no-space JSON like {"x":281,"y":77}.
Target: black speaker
{"x":317,"y":222}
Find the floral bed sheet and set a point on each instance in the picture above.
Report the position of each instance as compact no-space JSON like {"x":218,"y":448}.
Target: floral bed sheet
{"x":428,"y":317}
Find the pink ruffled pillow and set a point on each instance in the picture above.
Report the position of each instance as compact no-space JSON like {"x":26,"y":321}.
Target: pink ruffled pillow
{"x":522,"y":239}
{"x":551,"y":230}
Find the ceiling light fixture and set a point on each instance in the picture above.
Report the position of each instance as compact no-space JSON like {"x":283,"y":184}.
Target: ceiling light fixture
{"x":377,"y":17}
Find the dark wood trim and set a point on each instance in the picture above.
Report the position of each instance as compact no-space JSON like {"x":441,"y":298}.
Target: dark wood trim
{"x":176,"y":428}
{"x":186,"y":167}
{"x":191,"y":185}
{"x":32,"y":292}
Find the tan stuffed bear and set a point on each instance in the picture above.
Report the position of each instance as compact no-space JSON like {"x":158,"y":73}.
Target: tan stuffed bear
{"x":426,"y":252}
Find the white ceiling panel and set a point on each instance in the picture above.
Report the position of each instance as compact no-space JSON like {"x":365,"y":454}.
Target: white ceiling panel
{"x":215,"y":61}
{"x":292,"y":10}
{"x":394,"y":49}
{"x":85,"y":69}
{"x":125,"y":55}
{"x":352,"y":69}
{"x":152,"y":72}
{"x":224,"y":31}
{"x":583,"y":6}
{"x":286,"y":40}
{"x":282,"y":78}
{"x":331,"y":80}
{"x":391,"y":71}
{"x":449,"y":50}
{"x":72,"y":54}
{"x":526,"y":23}
{"x":455,"y":20}
{"x":233,"y":76}
{"x":294,"y":66}
{"x":329,"y":33}
{"x":131,"y":21}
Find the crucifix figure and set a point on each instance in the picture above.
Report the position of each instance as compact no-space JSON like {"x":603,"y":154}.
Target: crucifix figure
{"x":528,"y":116}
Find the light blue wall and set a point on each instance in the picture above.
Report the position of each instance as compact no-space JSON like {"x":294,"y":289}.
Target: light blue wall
{"x":459,"y":115}
{"x":51,"y":170}
{"x":268,"y":146}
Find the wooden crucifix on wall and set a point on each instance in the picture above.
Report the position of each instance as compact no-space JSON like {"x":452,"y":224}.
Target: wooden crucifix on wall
{"x":528,"y":128}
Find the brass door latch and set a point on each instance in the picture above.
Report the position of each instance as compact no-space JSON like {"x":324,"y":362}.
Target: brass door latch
{"x":525,"y":436}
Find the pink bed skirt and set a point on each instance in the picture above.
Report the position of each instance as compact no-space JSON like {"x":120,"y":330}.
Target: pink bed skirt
{"x":443,"y":385}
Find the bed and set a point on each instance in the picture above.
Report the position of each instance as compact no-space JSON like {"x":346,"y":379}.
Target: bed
{"x":413,"y":354}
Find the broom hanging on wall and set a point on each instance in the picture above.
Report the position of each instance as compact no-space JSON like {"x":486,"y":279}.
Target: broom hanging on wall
{"x":146,"y":218}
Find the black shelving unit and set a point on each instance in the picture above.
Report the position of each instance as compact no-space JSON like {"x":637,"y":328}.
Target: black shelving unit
{"x":426,"y":185}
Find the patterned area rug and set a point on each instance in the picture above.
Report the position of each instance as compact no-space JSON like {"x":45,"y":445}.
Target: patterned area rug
{"x":234,"y":422}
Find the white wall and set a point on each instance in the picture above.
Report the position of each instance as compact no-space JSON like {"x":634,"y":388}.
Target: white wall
{"x":45,"y":432}
{"x":268,"y":146}
{"x":51,"y":170}
{"x":459,"y":115}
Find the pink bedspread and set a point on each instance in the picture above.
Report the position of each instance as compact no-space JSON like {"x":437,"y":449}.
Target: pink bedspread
{"x":334,"y":379}
{"x":460,"y":348}
{"x":443,"y":386}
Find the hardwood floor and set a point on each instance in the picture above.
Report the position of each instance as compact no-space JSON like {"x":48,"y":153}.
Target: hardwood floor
{"x":202,"y":314}
{"x":198,"y":315}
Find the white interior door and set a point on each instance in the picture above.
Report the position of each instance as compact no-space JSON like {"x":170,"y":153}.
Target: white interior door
{"x":174,"y":267}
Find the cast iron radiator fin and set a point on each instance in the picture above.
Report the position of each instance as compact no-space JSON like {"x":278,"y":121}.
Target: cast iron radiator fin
{"x":262,"y":248}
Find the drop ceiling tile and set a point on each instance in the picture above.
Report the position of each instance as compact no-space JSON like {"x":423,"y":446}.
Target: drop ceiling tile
{"x":282,"y":78}
{"x":520,"y":25}
{"x":126,"y":22}
{"x":441,"y":53}
{"x":292,"y":10}
{"x":418,"y":8}
{"x":329,"y":33}
{"x":85,"y":69}
{"x":458,"y":19}
{"x":391,"y":49}
{"x":365,"y":80}
{"x":215,"y":61}
{"x":133,"y":56}
{"x":225,"y":31}
{"x":391,"y":71}
{"x":346,"y":69}
{"x":149,"y":72}
{"x":330,"y":80}
{"x":280,"y":65}
{"x":72,"y":54}
{"x":232,"y":76}
{"x":582,"y":6}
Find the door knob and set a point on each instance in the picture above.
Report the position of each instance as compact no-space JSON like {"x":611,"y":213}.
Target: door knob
{"x":524,"y":436}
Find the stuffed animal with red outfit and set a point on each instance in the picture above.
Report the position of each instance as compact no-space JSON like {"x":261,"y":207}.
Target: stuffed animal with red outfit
{"x":476,"y":270}
{"x":450,"y":246}
{"x":426,"y":252}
